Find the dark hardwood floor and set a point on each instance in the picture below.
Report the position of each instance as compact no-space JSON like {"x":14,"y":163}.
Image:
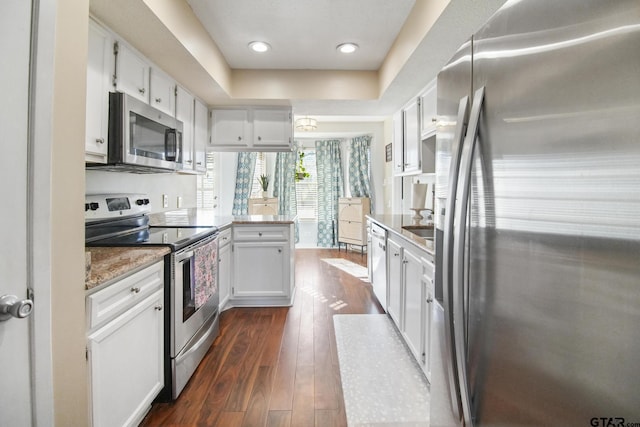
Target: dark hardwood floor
{"x":276,"y":366}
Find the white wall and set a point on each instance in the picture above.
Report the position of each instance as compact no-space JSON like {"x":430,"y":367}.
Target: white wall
{"x":155,"y":185}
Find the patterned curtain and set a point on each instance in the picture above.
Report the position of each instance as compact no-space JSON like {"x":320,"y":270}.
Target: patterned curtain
{"x":244,"y":181}
{"x":330,"y":188}
{"x":359,"y":181}
{"x":284,"y":185}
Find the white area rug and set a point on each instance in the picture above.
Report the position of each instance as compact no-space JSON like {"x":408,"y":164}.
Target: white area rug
{"x":381,"y":381}
{"x":349,"y":267}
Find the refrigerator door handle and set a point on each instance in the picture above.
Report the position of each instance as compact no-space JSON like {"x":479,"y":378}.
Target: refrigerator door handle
{"x":460,"y":221}
{"x":458,"y":140}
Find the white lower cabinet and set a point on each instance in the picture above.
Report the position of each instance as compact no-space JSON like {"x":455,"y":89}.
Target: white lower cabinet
{"x":413,"y":301}
{"x":125,"y":347}
{"x":225,"y":266}
{"x":263,"y":267}
{"x":394,"y":302}
{"x":428,"y":277}
{"x":410,"y":303}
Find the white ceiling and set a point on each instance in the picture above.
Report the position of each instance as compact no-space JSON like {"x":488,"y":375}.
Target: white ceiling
{"x":303,"y":34}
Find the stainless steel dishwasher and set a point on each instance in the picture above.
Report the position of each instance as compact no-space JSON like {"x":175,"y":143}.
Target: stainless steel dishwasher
{"x":378,"y":250}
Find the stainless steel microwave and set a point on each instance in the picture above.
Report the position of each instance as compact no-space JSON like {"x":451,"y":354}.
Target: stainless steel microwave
{"x":141,"y":138}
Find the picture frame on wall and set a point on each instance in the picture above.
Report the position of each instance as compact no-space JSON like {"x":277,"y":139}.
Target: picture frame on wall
{"x":387,"y":152}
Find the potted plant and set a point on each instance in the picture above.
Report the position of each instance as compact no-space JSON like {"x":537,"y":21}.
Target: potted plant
{"x":301,"y":171}
{"x":264,"y":183}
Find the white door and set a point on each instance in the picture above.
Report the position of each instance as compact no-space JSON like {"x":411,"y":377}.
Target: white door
{"x":15,"y":35}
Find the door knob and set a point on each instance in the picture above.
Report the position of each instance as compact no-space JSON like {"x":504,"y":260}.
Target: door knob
{"x":11,"y":306}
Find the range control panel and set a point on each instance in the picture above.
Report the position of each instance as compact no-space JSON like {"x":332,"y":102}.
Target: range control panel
{"x":118,"y":205}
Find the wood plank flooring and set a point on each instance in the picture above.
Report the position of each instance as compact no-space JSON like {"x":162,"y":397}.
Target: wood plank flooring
{"x":276,"y":366}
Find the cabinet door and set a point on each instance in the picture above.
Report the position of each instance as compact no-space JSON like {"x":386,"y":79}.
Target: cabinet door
{"x":413,"y":301}
{"x":224,"y":273}
{"x":272,"y":128}
{"x":261,"y":269}
{"x":99,"y":69}
{"x":132,"y":73}
{"x":428,"y":104}
{"x":230,"y":128}
{"x":411,"y":132}
{"x":126,"y":364}
{"x":200,"y":136}
{"x":398,"y":143}
{"x":162,"y":92}
{"x":428,"y":274}
{"x":394,"y":304}
{"x":184,"y":113}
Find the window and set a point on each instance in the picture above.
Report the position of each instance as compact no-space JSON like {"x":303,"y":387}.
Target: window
{"x":206,"y":191}
{"x":307,"y":188}
{"x":260,"y":169}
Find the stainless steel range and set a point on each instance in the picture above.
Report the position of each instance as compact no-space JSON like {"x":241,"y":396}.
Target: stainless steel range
{"x":191,"y":277}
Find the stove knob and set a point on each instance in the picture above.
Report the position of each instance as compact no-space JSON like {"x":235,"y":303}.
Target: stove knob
{"x":93,"y":206}
{"x":86,"y":207}
{"x":146,"y":201}
{"x":140,"y":202}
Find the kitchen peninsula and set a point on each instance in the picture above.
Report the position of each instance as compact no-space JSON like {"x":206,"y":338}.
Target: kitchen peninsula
{"x":256,"y":255}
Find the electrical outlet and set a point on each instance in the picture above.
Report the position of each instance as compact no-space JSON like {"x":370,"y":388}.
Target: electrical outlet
{"x":179,"y":202}
{"x":165,"y":201}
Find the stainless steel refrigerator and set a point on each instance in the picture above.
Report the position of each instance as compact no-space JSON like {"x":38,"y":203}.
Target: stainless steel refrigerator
{"x":538,"y":225}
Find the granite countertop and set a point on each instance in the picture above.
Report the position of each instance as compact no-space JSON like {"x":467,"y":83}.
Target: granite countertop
{"x":394,"y":223}
{"x":111,"y":263}
{"x":195,"y":217}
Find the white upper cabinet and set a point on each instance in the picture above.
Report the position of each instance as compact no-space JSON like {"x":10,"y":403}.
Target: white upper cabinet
{"x":272,"y":128}
{"x":230,"y":128}
{"x":132,"y":72}
{"x":251,"y":129}
{"x":398,"y":147}
{"x":415,"y":140}
{"x":99,"y":70}
{"x":411,"y":131}
{"x":185,"y":113}
{"x":200,"y":136}
{"x":428,"y":110}
{"x":163,"y":92}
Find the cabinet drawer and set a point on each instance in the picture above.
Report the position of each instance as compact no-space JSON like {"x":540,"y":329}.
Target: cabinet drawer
{"x":350,"y":212}
{"x":224,"y":238}
{"x":351,"y":230}
{"x":260,"y":233}
{"x":116,"y":298}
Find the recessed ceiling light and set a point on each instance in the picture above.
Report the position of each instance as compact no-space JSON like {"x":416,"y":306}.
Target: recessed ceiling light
{"x":347,"y":47}
{"x":259,"y":47}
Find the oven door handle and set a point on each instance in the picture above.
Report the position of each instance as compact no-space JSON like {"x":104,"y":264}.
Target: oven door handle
{"x":184,"y":255}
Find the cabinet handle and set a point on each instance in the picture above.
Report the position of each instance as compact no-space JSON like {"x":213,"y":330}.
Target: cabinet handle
{"x":239,"y":138}
{"x":142,"y":90}
{"x":429,"y":300}
{"x":100,"y":140}
{"x":434,"y":119}
{"x":198,"y":163}
{"x":260,"y":233}
{"x":406,"y":164}
{"x":279,"y":250}
{"x":259,"y":138}
{"x":135,"y":290}
{"x":158,"y":100}
{"x":404,"y":261}
{"x":396,"y":254}
{"x":158,"y":307}
{"x":188,"y":161}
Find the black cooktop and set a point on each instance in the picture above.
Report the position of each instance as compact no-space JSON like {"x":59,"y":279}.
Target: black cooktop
{"x":175,"y":238}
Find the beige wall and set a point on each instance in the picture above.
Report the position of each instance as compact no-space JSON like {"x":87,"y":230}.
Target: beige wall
{"x":67,"y":221}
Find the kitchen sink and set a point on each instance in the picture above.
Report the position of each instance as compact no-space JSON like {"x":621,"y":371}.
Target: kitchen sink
{"x":425,"y":232}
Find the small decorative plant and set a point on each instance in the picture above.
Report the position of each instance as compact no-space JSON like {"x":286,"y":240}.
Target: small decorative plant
{"x":301,"y":171}
{"x":264,"y":182}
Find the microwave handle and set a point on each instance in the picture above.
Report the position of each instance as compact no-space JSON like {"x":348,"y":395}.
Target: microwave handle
{"x":170,"y":144}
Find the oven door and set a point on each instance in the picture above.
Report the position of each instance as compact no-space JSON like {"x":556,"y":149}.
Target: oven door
{"x":194,"y":293}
